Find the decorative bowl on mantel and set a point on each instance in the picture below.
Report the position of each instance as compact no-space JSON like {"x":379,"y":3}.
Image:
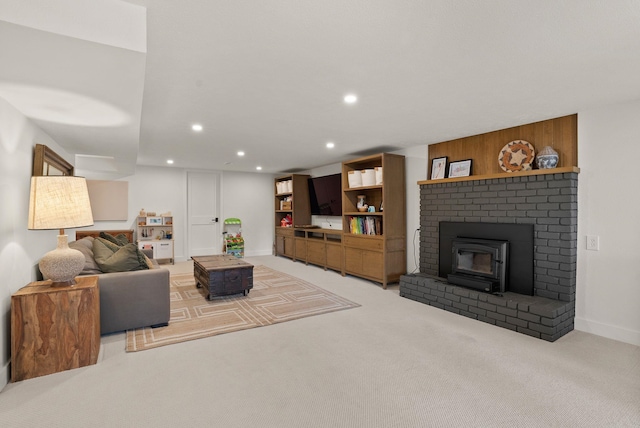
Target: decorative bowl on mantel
{"x":547,"y":158}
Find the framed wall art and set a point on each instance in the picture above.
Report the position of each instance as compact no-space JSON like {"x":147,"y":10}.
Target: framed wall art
{"x":439,"y":168}
{"x":460,"y":168}
{"x":48,"y":162}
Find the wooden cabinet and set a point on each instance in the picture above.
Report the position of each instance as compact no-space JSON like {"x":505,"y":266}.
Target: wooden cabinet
{"x":371,"y":245}
{"x":364,"y":263}
{"x":322,"y":247}
{"x":156,"y":233}
{"x":375,"y":242}
{"x":284,"y":242}
{"x":291,"y":203}
{"x":54,"y":328}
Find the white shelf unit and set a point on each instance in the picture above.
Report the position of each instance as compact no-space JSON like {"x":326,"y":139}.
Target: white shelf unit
{"x":156,"y":233}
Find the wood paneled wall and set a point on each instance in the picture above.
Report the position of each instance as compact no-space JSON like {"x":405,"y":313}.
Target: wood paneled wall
{"x":560,"y":133}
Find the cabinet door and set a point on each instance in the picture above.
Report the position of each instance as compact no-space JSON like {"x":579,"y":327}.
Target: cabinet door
{"x":279,"y":245}
{"x":363,"y":262}
{"x":163,"y":250}
{"x":353,"y":260}
{"x":288,"y":246}
{"x":334,"y":256}
{"x":372,"y":264}
{"x":301,"y":249}
{"x":316,"y":252}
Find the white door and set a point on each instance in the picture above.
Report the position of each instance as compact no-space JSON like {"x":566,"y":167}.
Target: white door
{"x":204,"y":227}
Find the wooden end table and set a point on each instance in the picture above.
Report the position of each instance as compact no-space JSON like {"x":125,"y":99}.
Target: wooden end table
{"x":222,"y":275}
{"x":54,"y":328}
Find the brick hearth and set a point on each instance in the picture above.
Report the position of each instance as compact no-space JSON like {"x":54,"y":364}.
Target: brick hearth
{"x":549,"y":202}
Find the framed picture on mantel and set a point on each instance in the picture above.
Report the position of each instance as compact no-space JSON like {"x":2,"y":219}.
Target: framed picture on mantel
{"x":460,"y":168}
{"x":439,"y":168}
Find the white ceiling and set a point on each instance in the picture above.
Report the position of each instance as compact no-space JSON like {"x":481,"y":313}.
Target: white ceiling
{"x":268,"y":77}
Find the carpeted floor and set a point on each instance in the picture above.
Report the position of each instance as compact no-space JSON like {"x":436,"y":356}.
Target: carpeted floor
{"x":392,"y":362}
{"x":276,"y":297}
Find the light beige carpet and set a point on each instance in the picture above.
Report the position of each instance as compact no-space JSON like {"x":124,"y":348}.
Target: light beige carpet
{"x":275,"y":297}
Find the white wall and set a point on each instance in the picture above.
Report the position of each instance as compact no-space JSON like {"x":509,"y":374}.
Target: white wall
{"x":608,"y":281}
{"x":415,"y":164}
{"x":20,"y":249}
{"x":157,"y":190}
{"x":247,"y":196}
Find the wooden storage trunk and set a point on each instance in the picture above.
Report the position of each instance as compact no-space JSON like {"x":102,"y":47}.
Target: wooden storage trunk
{"x":223,"y":275}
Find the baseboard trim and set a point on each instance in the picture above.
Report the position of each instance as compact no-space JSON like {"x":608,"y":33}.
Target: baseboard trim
{"x":620,"y":334}
{"x":258,"y":253}
{"x":4,"y":376}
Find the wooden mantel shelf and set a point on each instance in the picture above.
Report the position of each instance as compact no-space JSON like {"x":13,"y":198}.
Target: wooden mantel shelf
{"x":560,"y":170}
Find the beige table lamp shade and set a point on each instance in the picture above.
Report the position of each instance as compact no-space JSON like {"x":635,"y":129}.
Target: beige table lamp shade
{"x":60,"y":202}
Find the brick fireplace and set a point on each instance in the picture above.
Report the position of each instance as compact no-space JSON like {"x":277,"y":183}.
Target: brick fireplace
{"x":548,"y":201}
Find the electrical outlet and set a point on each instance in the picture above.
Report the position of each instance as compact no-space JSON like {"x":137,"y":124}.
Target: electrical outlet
{"x":593,"y":242}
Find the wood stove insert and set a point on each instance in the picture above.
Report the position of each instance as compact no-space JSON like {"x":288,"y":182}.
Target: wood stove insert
{"x":481,"y":264}
{"x":518,"y":276}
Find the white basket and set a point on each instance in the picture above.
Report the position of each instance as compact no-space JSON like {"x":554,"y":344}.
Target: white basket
{"x":289,"y":186}
{"x":279,"y":186}
{"x":355,"y":179}
{"x":368,"y":177}
{"x":378,"y":170}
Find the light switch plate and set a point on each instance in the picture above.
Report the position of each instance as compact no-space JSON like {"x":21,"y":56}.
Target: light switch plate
{"x":593,"y":242}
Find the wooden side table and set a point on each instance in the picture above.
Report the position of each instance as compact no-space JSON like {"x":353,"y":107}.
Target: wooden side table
{"x":54,"y":328}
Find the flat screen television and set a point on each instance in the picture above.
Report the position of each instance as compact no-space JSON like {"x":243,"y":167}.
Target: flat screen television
{"x":325,"y":195}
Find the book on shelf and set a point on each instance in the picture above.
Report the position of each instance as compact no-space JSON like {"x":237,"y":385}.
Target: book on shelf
{"x":365,"y":225}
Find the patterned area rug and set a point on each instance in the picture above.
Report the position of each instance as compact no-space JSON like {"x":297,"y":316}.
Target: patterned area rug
{"x":275,"y":297}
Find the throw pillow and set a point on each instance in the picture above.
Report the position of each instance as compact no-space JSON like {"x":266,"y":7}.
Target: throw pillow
{"x":85,"y":246}
{"x":120,"y":239}
{"x":123,"y":259}
{"x":109,"y":244}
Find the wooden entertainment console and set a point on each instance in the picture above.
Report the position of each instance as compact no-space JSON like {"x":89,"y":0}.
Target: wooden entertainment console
{"x":377,"y":254}
{"x":322,"y":247}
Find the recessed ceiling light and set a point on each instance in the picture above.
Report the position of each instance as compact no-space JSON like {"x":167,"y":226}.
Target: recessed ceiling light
{"x":330,"y":145}
{"x":240,"y":153}
{"x":350,"y":98}
{"x":196,"y":127}
{"x":170,"y":161}
{"x":259,"y":168}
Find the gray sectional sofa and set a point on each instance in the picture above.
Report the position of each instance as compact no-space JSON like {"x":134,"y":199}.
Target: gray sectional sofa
{"x":135,"y":299}
{"x":128,"y":300}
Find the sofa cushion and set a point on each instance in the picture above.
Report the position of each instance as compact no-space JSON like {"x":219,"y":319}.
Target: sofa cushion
{"x":120,"y":239}
{"x":112,"y":258}
{"x":85,"y":246}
